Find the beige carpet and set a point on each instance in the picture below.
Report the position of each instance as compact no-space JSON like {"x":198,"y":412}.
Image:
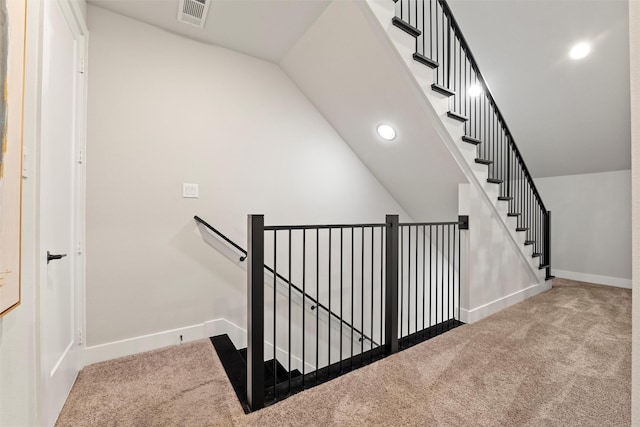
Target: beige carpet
{"x":562,"y":358}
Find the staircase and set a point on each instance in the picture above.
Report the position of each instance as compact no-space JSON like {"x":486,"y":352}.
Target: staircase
{"x":430,"y":43}
{"x":397,"y":305}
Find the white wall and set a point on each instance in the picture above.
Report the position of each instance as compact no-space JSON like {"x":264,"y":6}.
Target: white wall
{"x":634,"y":41}
{"x":164,"y":110}
{"x":497,"y":275}
{"x":591,"y":226}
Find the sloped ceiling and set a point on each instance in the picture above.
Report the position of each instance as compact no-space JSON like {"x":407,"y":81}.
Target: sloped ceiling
{"x":567,"y":117}
{"x":357,"y":85}
{"x":266,"y":29}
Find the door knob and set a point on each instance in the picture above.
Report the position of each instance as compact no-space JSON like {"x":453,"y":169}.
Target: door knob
{"x":51,"y":257}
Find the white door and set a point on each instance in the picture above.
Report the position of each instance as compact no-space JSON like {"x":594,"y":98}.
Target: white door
{"x":59,"y":319}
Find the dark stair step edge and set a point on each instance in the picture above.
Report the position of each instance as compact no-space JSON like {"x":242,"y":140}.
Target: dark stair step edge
{"x":407,"y":28}
{"x":529,"y":242}
{"x":494,"y":181}
{"x":234,"y":366}
{"x":536,"y":255}
{"x":505,"y":198}
{"x":543,"y":266}
{"x":424,"y":60}
{"x":337,"y":369}
{"x":484,"y":161}
{"x":471,"y":140}
{"x":513,"y":214}
{"x":442,"y":90}
{"x":522,"y":229}
{"x":457,"y":116}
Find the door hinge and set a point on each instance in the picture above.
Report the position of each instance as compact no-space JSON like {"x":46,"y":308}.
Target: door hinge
{"x":80,"y":156}
{"x":79,"y":248}
{"x":81,"y":66}
{"x":79,"y":337}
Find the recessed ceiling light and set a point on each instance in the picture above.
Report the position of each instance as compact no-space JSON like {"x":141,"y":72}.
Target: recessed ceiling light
{"x":386,"y":132}
{"x":580,"y":50}
{"x":474,"y":90}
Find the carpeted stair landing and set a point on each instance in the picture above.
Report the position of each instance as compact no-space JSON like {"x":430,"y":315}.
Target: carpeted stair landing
{"x":562,"y":358}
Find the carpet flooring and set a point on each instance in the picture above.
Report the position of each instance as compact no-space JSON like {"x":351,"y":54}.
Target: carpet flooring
{"x":562,"y":358}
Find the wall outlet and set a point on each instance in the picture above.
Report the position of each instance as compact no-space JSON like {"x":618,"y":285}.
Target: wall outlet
{"x":190,"y":191}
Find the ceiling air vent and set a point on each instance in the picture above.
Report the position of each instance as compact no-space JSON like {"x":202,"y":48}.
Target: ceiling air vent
{"x":193,"y":12}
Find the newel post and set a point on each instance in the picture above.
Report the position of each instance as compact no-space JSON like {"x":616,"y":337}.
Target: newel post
{"x":547,"y":245}
{"x":255,"y":312}
{"x":391,"y":284}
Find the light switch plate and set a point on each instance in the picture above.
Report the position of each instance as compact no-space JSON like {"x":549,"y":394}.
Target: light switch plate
{"x":190,"y":191}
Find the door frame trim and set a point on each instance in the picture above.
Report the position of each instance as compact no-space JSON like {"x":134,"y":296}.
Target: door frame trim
{"x":74,"y":14}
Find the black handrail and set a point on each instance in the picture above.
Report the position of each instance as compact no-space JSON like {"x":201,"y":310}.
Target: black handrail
{"x":463,"y":42}
{"x":283,"y":279}
{"x":222,"y":236}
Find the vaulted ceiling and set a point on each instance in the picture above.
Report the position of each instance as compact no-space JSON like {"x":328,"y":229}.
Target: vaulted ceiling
{"x":567,"y":117}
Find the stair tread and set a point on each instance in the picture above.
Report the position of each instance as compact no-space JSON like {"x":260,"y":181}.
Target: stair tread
{"x":529,"y":242}
{"x":536,"y":255}
{"x":543,"y":266}
{"x":513,"y":214}
{"x":457,"y":116}
{"x":484,"y":161}
{"x":425,"y":60}
{"x":442,"y":90}
{"x":471,"y":140}
{"x":522,"y":229}
{"x":494,"y":181}
{"x":407,"y":28}
{"x":505,"y":198}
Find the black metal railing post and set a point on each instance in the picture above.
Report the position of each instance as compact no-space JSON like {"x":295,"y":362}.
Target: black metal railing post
{"x":547,"y":244}
{"x":255,"y":312}
{"x":391,"y":284}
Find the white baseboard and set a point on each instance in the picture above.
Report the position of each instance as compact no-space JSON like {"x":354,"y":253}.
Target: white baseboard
{"x":486,"y":310}
{"x":140,"y":344}
{"x":222,"y":326}
{"x":593,"y":278}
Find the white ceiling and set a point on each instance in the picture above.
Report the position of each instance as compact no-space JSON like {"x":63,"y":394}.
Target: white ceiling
{"x":567,"y":117}
{"x":262,"y":28}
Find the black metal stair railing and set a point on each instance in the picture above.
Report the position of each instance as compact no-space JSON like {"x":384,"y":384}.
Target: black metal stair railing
{"x":277,"y":277}
{"x":441,"y":45}
{"x":429,"y":253}
{"x":399,"y":283}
